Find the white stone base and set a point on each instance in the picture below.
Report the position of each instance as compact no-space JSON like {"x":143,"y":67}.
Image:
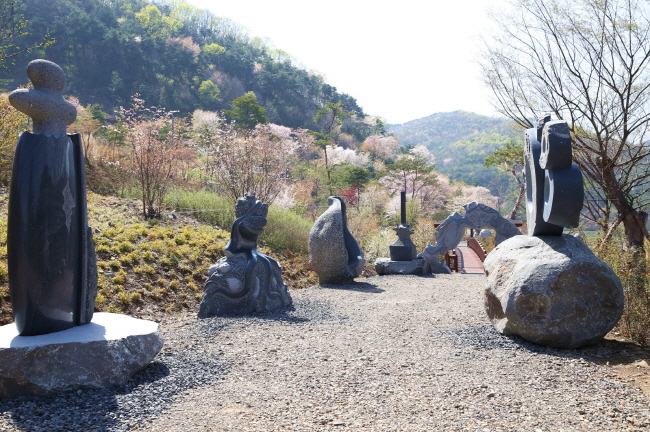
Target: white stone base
{"x":104,"y":353}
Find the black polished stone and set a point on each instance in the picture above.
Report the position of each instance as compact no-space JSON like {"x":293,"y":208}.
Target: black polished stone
{"x":51,"y":256}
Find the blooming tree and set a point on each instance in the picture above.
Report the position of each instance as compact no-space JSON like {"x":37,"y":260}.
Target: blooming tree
{"x":154,"y":142}
{"x":256,"y":161}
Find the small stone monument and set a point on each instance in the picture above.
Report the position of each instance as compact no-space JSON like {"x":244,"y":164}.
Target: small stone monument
{"x":403,"y":249}
{"x":57,"y":343}
{"x":334,"y":254}
{"x":549,"y":287}
{"x":245,"y":280}
{"x":403,"y":253}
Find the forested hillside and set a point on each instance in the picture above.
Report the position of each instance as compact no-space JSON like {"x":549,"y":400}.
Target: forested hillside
{"x":460,"y":142}
{"x":175,"y":56}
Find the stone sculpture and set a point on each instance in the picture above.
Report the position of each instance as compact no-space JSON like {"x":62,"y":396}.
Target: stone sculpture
{"x":51,"y":256}
{"x":245,"y":280}
{"x":452,"y":230}
{"x":56,"y":344}
{"x":403,"y":253}
{"x":549,"y":288}
{"x":554,"y":185}
{"x":403,"y":249}
{"x":334,"y":253}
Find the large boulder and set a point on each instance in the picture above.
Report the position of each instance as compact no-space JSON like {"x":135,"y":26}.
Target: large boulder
{"x":103,"y":353}
{"x":551,"y":290}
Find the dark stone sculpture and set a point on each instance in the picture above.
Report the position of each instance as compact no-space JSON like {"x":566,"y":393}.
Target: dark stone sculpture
{"x":245,"y":280}
{"x":554,"y":185}
{"x":549,"y":287}
{"x":51,"y":255}
{"x":403,"y":249}
{"x":334,"y":253}
{"x":452,"y":230}
{"x":403,"y":252}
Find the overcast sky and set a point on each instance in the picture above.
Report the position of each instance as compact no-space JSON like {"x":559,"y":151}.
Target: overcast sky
{"x":402,"y":60}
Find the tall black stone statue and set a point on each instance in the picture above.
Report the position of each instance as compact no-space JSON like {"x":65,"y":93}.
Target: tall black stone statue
{"x":549,"y":287}
{"x":51,"y":256}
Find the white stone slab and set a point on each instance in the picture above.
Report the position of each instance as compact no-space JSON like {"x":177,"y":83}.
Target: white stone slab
{"x":103,"y":327}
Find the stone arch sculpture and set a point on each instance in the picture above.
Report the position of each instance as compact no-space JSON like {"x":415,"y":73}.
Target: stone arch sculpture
{"x":451,"y":232}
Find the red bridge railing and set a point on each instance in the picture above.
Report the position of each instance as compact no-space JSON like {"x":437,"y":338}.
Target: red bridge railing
{"x":477,"y":247}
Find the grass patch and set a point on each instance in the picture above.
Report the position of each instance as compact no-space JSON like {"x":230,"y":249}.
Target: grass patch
{"x":284,"y":230}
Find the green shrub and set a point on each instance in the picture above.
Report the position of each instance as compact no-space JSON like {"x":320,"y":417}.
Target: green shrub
{"x":125,"y":298}
{"x":125,"y":247}
{"x":286,"y":230}
{"x":120,"y":278}
{"x":208,"y":207}
{"x":102,"y":249}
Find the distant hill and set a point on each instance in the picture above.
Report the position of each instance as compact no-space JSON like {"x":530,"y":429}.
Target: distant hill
{"x":460,"y":141}
{"x":172,"y":54}
{"x":440,"y":129}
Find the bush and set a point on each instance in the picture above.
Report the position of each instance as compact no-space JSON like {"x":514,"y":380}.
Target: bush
{"x":206,"y":207}
{"x":635,"y":322}
{"x":286,"y":230}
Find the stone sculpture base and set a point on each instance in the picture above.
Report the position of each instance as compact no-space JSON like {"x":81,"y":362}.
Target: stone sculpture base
{"x":104,"y":353}
{"x":225,"y":291}
{"x":551,"y":290}
{"x":385,"y":266}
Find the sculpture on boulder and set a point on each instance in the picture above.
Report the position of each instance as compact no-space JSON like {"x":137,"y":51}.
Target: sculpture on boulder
{"x":50,"y":251}
{"x":549,"y":288}
{"x":452,"y":230}
{"x":334,"y":253}
{"x":245,"y":280}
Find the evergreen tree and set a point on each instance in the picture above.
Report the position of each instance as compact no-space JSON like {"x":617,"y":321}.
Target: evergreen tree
{"x":246,"y":112}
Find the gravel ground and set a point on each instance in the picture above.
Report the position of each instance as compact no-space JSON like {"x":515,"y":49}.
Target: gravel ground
{"x":391,"y":353}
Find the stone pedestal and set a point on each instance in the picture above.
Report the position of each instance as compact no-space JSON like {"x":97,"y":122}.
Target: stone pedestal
{"x":103,"y":353}
{"x":386,"y":266}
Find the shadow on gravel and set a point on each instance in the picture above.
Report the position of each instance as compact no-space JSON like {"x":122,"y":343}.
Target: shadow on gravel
{"x":608,"y":350}
{"x":356,"y":286}
{"x":144,"y":396}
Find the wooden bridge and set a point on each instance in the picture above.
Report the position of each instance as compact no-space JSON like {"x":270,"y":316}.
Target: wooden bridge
{"x":466,"y":258}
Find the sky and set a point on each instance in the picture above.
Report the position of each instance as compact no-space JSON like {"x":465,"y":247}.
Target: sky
{"x":402,"y":60}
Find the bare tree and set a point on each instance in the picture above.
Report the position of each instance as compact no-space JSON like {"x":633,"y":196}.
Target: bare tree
{"x":587,"y":62}
{"x":154,"y":146}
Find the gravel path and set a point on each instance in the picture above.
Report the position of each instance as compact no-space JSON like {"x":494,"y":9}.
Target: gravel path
{"x":393,"y":353}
